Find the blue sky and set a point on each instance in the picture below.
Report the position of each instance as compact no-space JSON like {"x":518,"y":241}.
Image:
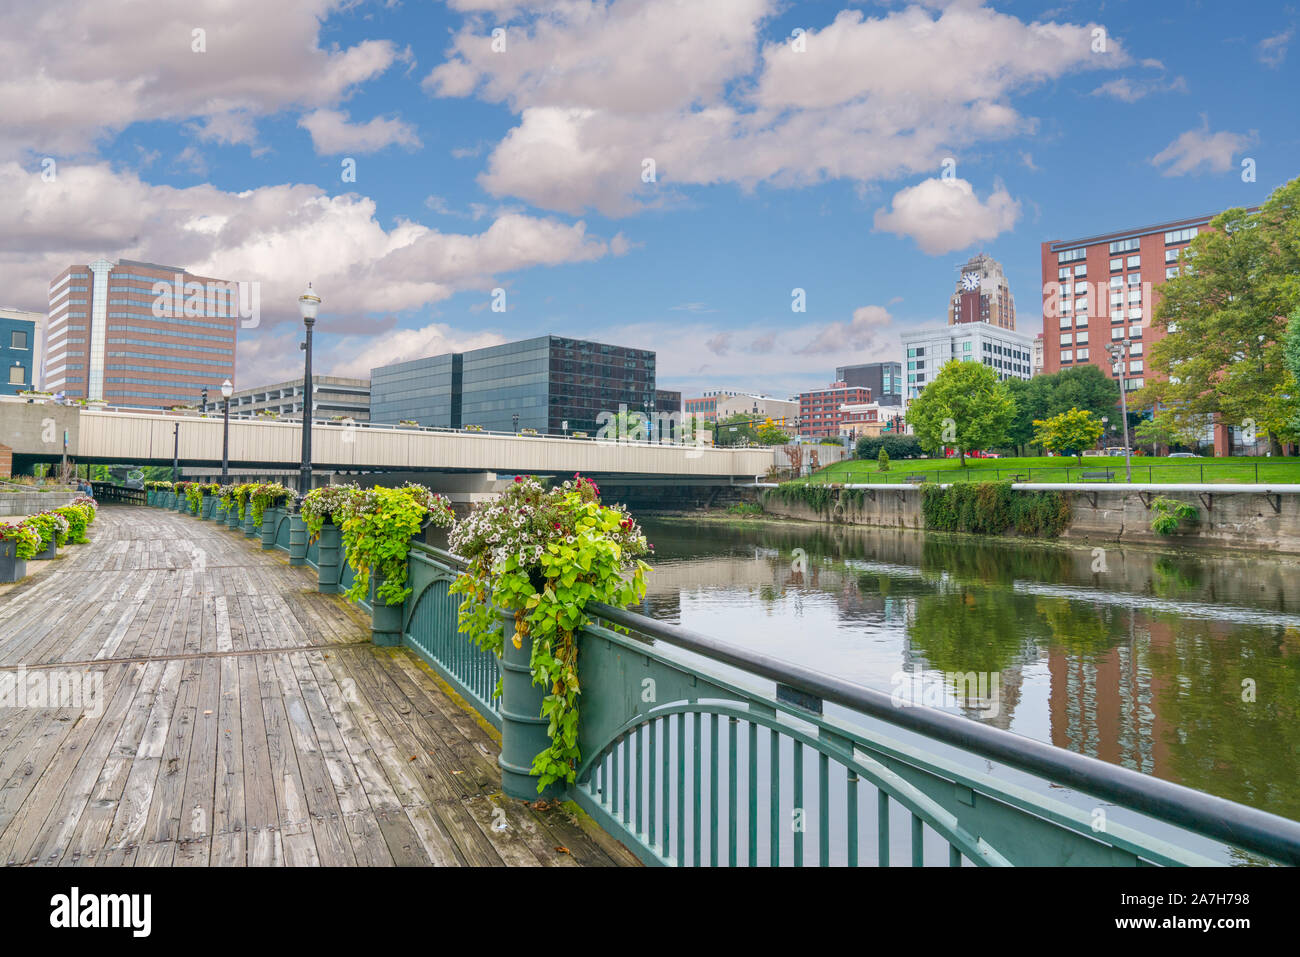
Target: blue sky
{"x":781,"y":162}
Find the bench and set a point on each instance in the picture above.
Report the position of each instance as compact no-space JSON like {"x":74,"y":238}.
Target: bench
{"x":1019,"y":477}
{"x":1098,"y":476}
{"x":918,"y":478}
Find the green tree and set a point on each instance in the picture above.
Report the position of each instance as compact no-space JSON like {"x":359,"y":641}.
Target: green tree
{"x":1225,"y":316}
{"x":882,"y":460}
{"x":735,"y":430}
{"x":965,"y":408}
{"x":769,"y":434}
{"x":1084,"y":387}
{"x":1071,"y":431}
{"x":1291,"y":356}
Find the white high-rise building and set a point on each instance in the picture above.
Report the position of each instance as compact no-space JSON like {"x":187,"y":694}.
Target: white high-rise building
{"x":1005,"y":351}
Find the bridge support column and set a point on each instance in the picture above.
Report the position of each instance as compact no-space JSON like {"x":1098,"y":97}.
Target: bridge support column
{"x":329,"y":565}
{"x":297,"y":540}
{"x":523,"y":729}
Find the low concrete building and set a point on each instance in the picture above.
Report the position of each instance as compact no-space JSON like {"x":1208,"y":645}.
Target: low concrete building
{"x":335,"y":395}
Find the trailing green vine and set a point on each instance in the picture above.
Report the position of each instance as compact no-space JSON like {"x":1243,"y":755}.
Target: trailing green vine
{"x":541,"y":555}
{"x":994,"y":508}
{"x":324,"y":504}
{"x":378,"y":525}
{"x":267,"y":495}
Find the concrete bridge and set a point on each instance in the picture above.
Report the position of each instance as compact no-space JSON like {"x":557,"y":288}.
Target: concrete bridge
{"x":36,"y":432}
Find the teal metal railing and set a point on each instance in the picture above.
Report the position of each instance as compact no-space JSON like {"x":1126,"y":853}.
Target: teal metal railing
{"x":697,"y":752}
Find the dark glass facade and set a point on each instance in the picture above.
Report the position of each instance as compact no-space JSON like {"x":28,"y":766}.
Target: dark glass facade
{"x":546,"y":382}
{"x":884,"y":379}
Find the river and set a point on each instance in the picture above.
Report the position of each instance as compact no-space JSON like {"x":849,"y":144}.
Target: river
{"x":1181,"y":665}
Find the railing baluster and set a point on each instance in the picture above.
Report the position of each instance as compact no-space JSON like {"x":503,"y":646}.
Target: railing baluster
{"x":851,"y":801}
{"x":823,"y":811}
{"x":681,"y":790}
{"x":613,"y":777}
{"x":731,"y":792}
{"x":627,"y":780}
{"x":954,"y":856}
{"x":753,"y":794}
{"x":651,"y":793}
{"x":713,"y":790}
{"x":640,"y":792}
{"x":918,"y":842}
{"x":774,"y":799}
{"x":697,"y":720}
{"x":667,"y":814}
{"x":797,"y":809}
{"x":882,"y":829}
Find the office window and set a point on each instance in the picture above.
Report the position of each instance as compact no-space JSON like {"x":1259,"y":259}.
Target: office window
{"x":1067,"y":356}
{"x":1134,"y":262}
{"x":1067,"y":305}
{"x":1171,"y":272}
{"x":1135,"y":279}
{"x":1180,"y":235}
{"x":1135,"y":295}
{"x":1171,"y":255}
{"x":1116,"y":265}
{"x":18,"y":340}
{"x":1071,"y":255}
{"x":1063,"y":273}
{"x":1081,"y":305}
{"x":1065,"y":322}
{"x":1080,"y":271}
{"x":1135,"y":330}
{"x":1123,"y":246}
{"x":1116,"y":334}
{"x":1081,"y":322}
{"x":1116,"y":282}
{"x":1135,"y":312}
{"x":1080,"y":338}
{"x":17,"y":375}
{"x":1081,"y":355}
{"x":1066,"y":339}
{"x":1135,"y":349}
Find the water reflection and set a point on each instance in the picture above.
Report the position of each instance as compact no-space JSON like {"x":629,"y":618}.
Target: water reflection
{"x":1181,"y":665}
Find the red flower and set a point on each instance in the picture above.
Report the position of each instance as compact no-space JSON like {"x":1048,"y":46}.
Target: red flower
{"x":519,"y":478}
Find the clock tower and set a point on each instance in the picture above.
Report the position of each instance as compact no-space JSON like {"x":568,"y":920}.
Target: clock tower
{"x":982,"y":295}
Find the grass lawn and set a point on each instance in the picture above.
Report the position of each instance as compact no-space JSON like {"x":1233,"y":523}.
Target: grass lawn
{"x":1053,"y":469}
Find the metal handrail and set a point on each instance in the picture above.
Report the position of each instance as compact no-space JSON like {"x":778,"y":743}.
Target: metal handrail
{"x":1273,"y":836}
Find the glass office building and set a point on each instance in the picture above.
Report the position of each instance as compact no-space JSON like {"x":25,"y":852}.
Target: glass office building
{"x":551,"y":383}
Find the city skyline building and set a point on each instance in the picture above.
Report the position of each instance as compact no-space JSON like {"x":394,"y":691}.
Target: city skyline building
{"x":139,"y":334}
{"x":1006,"y":351}
{"x":982,"y":294}
{"x":821,"y":411}
{"x":333,"y":395}
{"x":1101,"y":289}
{"x":884,"y":379}
{"x":549,"y":383}
{"x":21,"y":335}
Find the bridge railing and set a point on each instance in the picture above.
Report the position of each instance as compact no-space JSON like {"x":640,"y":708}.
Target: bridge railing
{"x":698,"y":752}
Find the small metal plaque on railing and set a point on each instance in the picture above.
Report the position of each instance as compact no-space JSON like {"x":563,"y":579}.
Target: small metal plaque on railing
{"x":800,"y":699}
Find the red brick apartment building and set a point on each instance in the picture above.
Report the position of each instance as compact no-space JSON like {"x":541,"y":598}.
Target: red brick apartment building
{"x":819,"y":411}
{"x":1101,"y":288}
{"x":111,"y":336}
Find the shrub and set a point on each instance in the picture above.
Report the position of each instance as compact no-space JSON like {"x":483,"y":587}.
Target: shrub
{"x":745,"y":508}
{"x":78,"y":517}
{"x":882,"y":460}
{"x":1168,"y":513}
{"x":897,"y":446}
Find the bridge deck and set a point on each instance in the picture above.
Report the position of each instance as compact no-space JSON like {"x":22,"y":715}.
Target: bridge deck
{"x":245,"y":719}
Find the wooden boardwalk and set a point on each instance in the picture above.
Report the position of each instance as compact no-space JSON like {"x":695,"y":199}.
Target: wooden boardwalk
{"x":245,"y":719}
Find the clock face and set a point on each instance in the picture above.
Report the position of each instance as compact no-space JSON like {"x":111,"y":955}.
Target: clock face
{"x":970,"y":281}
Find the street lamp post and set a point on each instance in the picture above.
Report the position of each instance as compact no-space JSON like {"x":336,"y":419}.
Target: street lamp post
{"x":227,"y":390}
{"x":308,"y":304}
{"x":1119,"y":353}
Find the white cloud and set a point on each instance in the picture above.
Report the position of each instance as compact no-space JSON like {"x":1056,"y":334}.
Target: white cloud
{"x":944,"y":215}
{"x":76,"y":70}
{"x":280,"y":236}
{"x":1130,"y":91}
{"x":1272,"y":50}
{"x":600,"y":88}
{"x":866,"y":330}
{"x":1199,"y":150}
{"x":331,"y":132}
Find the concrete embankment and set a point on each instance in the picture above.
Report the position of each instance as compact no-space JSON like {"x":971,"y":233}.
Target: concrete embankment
{"x":1259,"y":517}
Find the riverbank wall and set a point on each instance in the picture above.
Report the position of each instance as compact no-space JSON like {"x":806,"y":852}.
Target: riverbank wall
{"x":1240,"y":517}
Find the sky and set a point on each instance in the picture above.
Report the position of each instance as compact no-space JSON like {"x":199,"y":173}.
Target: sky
{"x":661,"y":174}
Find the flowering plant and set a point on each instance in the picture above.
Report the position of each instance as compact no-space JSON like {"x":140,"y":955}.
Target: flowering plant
{"x":89,"y":504}
{"x":27,"y":541}
{"x":50,"y":526}
{"x":543,"y":555}
{"x":77,"y":517}
{"x":325,"y":504}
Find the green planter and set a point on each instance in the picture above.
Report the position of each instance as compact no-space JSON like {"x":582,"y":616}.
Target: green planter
{"x":270,"y":522}
{"x":12,"y":568}
{"x":205,"y":507}
{"x":523,"y":729}
{"x":182,"y":503}
{"x":232,"y":516}
{"x":51,"y":550}
{"x":297,"y":540}
{"x":329,"y":560}
{"x":385,"y":619}
{"x":249,"y":528}
{"x":148,"y":496}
